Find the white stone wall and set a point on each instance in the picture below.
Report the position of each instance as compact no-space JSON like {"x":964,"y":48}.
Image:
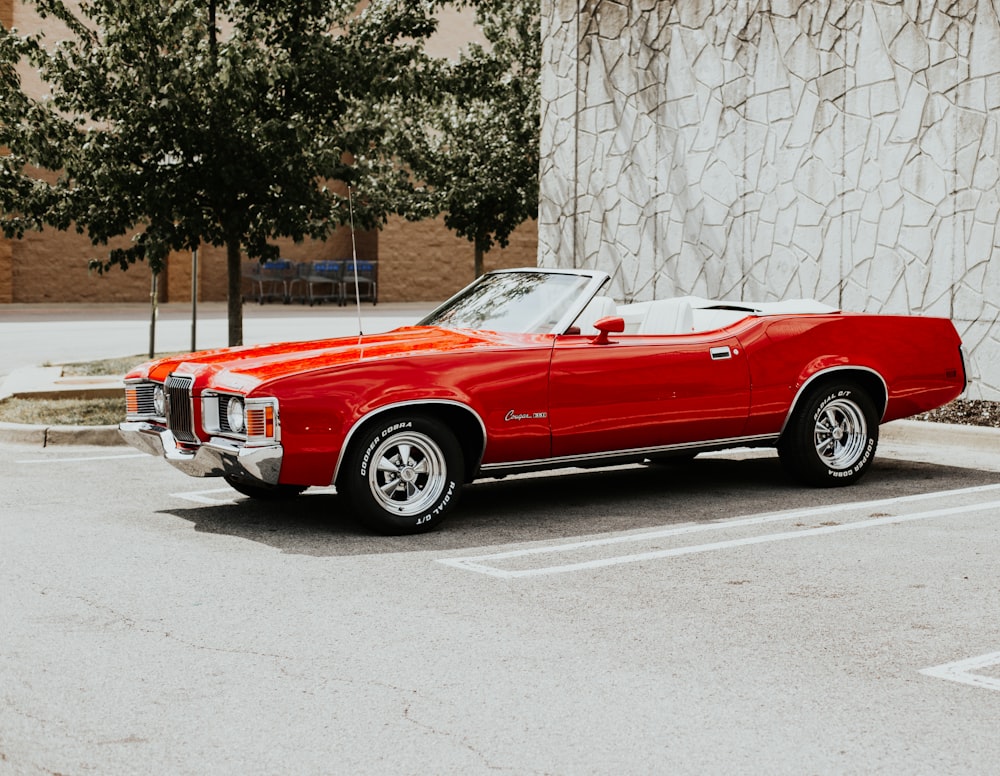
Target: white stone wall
{"x":765,"y":149}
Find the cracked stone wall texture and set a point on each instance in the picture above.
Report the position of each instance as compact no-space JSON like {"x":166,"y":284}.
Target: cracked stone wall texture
{"x":767,"y":149}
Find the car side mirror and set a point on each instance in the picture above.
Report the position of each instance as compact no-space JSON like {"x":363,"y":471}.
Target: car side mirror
{"x":608,"y":326}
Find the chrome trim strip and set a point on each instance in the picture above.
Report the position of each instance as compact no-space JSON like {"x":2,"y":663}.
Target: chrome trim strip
{"x":969,"y":369}
{"x":591,"y":273}
{"x":412,"y":403}
{"x":827,"y":371}
{"x":214,"y":422}
{"x":597,"y":282}
{"x":211,"y":412}
{"x":628,"y":454}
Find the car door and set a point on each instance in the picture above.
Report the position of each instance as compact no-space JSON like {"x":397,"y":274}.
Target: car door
{"x":642,"y":391}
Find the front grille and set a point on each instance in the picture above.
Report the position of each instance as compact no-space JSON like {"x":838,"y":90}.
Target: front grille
{"x":180,"y":417}
{"x":224,"y":415}
{"x":139,"y":399}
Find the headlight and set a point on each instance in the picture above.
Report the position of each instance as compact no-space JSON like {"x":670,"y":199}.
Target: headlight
{"x":159,"y":401}
{"x":235,"y":415}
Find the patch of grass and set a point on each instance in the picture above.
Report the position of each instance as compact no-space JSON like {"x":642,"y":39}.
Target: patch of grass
{"x":76,"y":412}
{"x":63,"y":412}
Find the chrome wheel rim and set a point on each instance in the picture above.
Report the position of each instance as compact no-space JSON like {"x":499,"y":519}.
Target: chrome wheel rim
{"x":840,"y":434}
{"x":409,"y":474}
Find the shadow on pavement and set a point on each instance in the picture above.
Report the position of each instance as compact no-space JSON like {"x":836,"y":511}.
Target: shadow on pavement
{"x":569,"y":504}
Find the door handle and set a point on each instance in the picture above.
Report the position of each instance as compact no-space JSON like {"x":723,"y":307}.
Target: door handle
{"x":718,"y":354}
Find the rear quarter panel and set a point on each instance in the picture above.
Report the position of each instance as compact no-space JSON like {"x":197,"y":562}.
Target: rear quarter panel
{"x":917,"y":358}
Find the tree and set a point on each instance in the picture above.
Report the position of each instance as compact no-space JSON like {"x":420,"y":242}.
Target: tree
{"x":187,"y":122}
{"x":470,"y":144}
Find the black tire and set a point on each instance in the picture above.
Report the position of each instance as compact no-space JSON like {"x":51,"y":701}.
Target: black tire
{"x":832,"y":437}
{"x":262,"y":491}
{"x":403,"y":473}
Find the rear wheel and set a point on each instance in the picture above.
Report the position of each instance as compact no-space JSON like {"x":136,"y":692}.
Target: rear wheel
{"x":831,"y":439}
{"x":404,"y":473}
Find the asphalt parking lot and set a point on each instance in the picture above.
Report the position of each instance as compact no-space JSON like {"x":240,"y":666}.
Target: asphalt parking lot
{"x":711,"y":619}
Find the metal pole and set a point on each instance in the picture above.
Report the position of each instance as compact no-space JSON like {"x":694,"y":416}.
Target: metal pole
{"x":354,"y":254}
{"x":152,"y":315}
{"x":194,"y":298}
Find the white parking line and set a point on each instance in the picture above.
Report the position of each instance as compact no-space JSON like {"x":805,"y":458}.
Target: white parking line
{"x":82,"y":458}
{"x":486,"y":564}
{"x":203,"y":497}
{"x":961,"y":671}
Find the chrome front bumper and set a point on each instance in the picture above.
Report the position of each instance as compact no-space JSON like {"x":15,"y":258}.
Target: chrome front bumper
{"x":215,"y":458}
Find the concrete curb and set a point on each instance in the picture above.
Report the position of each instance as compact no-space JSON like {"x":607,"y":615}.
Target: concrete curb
{"x":45,"y":436}
{"x":22,"y":434}
{"x":926,"y":434}
{"x":48,"y":383}
{"x":112,"y":392}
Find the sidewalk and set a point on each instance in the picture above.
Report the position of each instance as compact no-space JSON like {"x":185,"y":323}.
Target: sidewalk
{"x":967,"y":447}
{"x":35,"y":335}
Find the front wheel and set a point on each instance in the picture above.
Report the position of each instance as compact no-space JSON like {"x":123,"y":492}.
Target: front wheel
{"x":404,"y":473}
{"x":831,"y":439}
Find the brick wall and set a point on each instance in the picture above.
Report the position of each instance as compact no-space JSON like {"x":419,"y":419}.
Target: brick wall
{"x":52,"y":266}
{"x":424,"y":261}
{"x":420,"y":261}
{"x":212,"y":282}
{"x":6,"y":267}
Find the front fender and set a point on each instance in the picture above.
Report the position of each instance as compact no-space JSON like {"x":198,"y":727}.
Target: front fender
{"x":473,"y":456}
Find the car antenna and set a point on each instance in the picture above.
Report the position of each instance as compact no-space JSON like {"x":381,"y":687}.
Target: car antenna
{"x":354,"y":254}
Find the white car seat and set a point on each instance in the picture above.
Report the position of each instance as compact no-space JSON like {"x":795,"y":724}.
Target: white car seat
{"x":668,"y":316}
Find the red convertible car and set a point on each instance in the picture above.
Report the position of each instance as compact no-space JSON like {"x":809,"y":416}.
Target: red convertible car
{"x":532,"y":369}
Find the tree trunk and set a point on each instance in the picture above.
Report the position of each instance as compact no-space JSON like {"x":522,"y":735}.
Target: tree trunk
{"x":479,"y":260}
{"x":235,"y":296}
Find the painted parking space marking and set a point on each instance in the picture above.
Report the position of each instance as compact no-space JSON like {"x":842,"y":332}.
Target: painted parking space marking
{"x":232,"y":496}
{"x":73,"y":459}
{"x":505,"y":564}
{"x":964,"y":671}
{"x":205,"y":496}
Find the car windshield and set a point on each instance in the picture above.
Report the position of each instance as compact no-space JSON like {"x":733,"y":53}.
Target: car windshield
{"x":518,"y":302}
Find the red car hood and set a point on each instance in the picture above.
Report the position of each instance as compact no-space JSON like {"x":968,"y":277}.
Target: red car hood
{"x":242,"y":369}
